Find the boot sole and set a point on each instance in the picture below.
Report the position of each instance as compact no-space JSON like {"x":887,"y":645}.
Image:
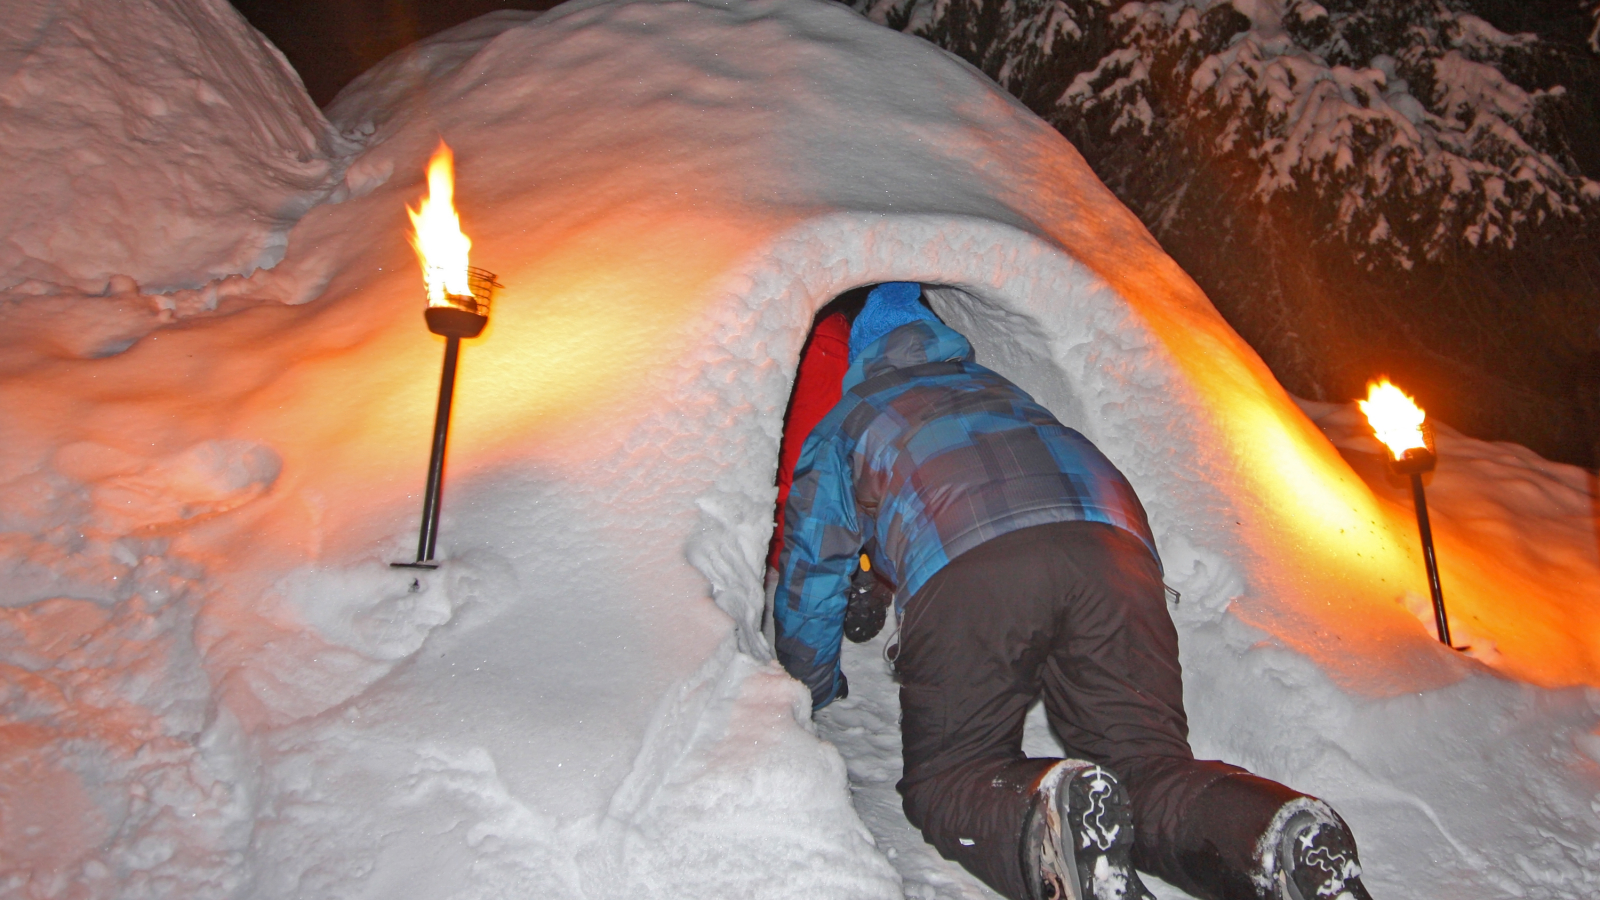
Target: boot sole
{"x":1093,"y":817}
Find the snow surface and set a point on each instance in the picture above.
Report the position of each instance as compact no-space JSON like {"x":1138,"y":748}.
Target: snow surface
{"x":213,"y":685}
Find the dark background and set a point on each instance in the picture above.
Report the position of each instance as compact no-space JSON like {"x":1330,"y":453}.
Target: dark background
{"x":330,"y":42}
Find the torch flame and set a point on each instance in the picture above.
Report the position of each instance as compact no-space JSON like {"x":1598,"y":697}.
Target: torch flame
{"x":437,"y":237}
{"x":1394,"y":417}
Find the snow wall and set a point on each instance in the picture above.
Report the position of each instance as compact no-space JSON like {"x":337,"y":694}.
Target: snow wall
{"x":229,"y":693}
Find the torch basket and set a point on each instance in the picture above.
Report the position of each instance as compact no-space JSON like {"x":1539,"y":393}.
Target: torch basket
{"x":464,"y":315}
{"x":1416,"y":460}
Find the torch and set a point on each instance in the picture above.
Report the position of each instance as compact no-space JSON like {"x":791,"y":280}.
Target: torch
{"x":1402,"y":427}
{"x":458,"y":307}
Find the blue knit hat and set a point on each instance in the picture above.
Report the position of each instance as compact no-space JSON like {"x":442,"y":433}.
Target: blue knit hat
{"x":889,"y":306}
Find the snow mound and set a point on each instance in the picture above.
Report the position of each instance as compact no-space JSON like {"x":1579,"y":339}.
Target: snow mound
{"x":579,"y":703}
{"x":166,"y":142}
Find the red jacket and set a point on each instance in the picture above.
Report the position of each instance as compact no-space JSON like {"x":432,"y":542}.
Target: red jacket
{"x":816,"y":391}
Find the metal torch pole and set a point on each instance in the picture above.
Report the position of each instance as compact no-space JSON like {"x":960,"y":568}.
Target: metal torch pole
{"x":1421,"y":501}
{"x":441,"y":432}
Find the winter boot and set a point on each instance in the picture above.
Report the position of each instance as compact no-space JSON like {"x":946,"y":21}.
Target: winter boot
{"x":1310,"y":854}
{"x":1077,"y":839}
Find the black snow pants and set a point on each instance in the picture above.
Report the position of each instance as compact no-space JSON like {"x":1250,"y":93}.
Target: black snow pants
{"x":1074,"y":611}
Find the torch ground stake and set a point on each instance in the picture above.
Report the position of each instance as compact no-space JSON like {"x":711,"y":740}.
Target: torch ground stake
{"x":1432,"y":564}
{"x":1414,"y":462}
{"x":433,"y":494}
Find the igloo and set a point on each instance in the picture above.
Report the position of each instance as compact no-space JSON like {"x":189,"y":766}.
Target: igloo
{"x":580,"y":702}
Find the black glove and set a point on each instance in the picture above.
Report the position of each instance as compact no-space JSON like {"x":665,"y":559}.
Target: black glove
{"x":844,"y":687}
{"x":866,"y":607}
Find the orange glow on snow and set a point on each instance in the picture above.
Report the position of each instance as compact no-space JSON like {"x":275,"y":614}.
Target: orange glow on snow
{"x":1339,"y":558}
{"x":1395,"y":417}
{"x":441,"y":246}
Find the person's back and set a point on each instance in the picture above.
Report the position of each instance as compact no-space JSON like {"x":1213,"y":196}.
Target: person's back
{"x":946,"y":455}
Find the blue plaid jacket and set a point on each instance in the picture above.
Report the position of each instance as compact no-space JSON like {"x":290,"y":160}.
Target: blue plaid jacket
{"x":927,"y":455}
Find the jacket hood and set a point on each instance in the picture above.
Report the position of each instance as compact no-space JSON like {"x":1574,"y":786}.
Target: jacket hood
{"x":889,"y":306}
{"x":909,"y":345}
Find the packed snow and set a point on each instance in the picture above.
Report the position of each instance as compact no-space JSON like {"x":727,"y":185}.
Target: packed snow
{"x":212,"y":684}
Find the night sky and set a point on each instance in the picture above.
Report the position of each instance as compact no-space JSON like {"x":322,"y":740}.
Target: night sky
{"x":330,"y":42}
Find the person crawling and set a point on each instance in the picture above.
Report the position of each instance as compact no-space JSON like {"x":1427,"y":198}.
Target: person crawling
{"x":1020,"y":564}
